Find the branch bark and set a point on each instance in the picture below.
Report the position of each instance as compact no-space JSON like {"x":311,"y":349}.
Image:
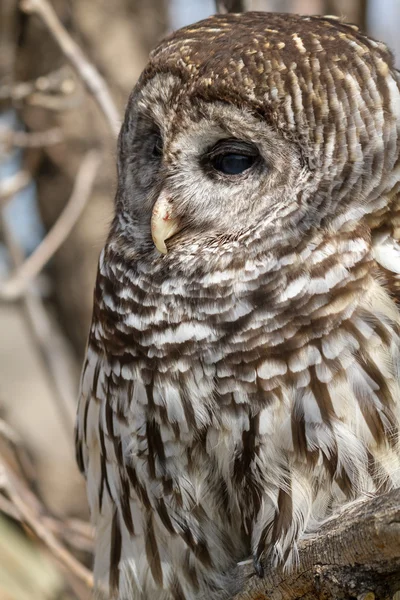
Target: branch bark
{"x":355,"y":555}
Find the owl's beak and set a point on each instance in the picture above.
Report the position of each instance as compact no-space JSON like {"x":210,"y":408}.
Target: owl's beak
{"x":163,"y":225}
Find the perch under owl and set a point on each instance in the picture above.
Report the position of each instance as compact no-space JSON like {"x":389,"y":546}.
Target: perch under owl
{"x":242,"y":373}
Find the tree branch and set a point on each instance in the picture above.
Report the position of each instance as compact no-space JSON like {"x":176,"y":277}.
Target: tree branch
{"x":18,"y":495}
{"x":60,"y":82}
{"x":35,"y":139}
{"x":18,"y":500}
{"x":22,"y":277}
{"x":91,"y":78}
{"x":355,"y":555}
{"x":13,"y":185}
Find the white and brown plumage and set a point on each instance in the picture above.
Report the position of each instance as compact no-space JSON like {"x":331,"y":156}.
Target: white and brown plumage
{"x":242,"y":381}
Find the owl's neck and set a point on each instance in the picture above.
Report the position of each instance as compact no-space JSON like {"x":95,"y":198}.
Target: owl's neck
{"x":163,"y":308}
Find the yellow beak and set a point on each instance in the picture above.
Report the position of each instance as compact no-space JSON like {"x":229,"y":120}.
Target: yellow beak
{"x":163,"y":225}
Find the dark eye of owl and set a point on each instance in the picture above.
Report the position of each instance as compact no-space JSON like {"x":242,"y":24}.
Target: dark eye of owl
{"x":233,"y":164}
{"x":232,"y":157}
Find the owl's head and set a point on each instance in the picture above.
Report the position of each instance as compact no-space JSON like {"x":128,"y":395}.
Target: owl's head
{"x":256,"y":129}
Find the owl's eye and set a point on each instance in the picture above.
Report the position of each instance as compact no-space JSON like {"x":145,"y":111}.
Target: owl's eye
{"x":232,"y":156}
{"x":233,"y":164}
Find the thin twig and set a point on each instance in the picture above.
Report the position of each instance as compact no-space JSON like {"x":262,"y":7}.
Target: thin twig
{"x":56,"y":103}
{"x":22,"y":277}
{"x":66,"y":530}
{"x":51,"y":346}
{"x":12,"y":488}
{"x":9,"y":509}
{"x":21,"y":456}
{"x":87,"y":72}
{"x":76,"y":533}
{"x":12,"y":185}
{"x":34,"y":139}
{"x":58,"y":82}
{"x":56,"y":91}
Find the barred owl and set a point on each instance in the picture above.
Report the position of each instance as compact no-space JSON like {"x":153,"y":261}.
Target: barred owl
{"x":242,"y":373}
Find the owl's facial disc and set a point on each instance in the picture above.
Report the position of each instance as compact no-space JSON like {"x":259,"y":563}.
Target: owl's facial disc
{"x":195,"y":175}
{"x":228,"y":158}
{"x":163,"y":224}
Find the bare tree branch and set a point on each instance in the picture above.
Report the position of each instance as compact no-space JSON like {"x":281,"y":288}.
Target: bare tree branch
{"x":56,"y":103}
{"x":87,"y":72}
{"x":351,"y":556}
{"x":56,"y":91}
{"x":76,"y":533}
{"x":20,"y":454}
{"x":35,"y":139}
{"x":18,"y":494}
{"x":12,"y":185}
{"x":19,"y":502}
{"x":60,"y":82}
{"x":31,"y":267}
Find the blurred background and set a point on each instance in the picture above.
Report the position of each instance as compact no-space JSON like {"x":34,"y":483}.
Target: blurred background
{"x":57,"y":181}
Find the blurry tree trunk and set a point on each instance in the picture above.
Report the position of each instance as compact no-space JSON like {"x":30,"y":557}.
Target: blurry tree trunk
{"x":117,"y":36}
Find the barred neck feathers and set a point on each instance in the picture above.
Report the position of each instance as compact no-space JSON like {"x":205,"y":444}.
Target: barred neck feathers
{"x":241,"y":299}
